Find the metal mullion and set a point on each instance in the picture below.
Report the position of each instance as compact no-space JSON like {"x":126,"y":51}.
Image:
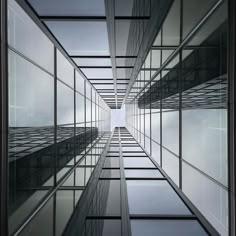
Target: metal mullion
{"x":150,"y":97}
{"x":162,"y":217}
{"x":180,"y":95}
{"x":91,"y":95}
{"x":161,"y":99}
{"x":4,"y":166}
{"x":231,"y":113}
{"x":79,"y":217}
{"x":55,"y":117}
{"x":29,"y":60}
{"x":85,"y":122}
{"x":154,"y":25}
{"x":186,"y":40}
{"x":51,"y":193}
{"x":149,"y":178}
{"x":72,"y":18}
{"x":74,"y":116}
{"x":110,"y":14}
{"x":202,"y":220}
{"x":34,"y":16}
{"x":126,"y":228}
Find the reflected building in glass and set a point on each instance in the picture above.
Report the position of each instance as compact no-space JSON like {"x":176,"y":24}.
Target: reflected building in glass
{"x":70,"y":70}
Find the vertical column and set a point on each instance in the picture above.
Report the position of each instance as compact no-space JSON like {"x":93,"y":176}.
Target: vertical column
{"x":3,"y":119}
{"x":161,"y":100}
{"x":74,"y":116}
{"x":150,"y":108}
{"x":231,"y":112}
{"x":126,"y":230}
{"x":180,"y":96}
{"x":55,"y":117}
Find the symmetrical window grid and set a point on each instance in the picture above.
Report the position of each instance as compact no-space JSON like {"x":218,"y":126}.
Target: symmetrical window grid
{"x":177,"y":107}
{"x":178,"y":97}
{"x":55,"y":116}
{"x":130,"y":195}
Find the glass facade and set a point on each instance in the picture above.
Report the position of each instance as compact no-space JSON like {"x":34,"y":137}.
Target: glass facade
{"x":117,"y":117}
{"x":55,"y":118}
{"x":180,"y":95}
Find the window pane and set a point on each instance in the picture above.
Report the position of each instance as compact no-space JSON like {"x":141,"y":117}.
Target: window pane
{"x":27,"y":83}
{"x":137,"y":162}
{"x":110,"y":174}
{"x":170,"y":164}
{"x":193,"y":12}
{"x":110,"y":190}
{"x":70,"y":7}
{"x":79,"y":108}
{"x":79,"y":83}
{"x":170,"y":130}
{"x":65,"y":70}
{"x":171,"y":26}
{"x":167,"y":228}
{"x":112,"y":162}
{"x":27,"y":38}
{"x":65,"y":104}
{"x":98,"y":73}
{"x":79,"y":177}
{"x":210,"y":198}
{"x":93,"y":61}
{"x":103,"y":227}
{"x":154,"y":197}
{"x":77,"y":37}
{"x":143,"y":174}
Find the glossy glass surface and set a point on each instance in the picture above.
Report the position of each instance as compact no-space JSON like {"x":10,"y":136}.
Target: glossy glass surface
{"x":103,"y":227}
{"x":167,"y":228}
{"x":154,"y":197}
{"x":26,"y":85}
{"x":143,"y":173}
{"x":81,"y":41}
{"x":109,"y":190}
{"x":71,"y":7}
{"x":65,"y":104}
{"x":210,"y":198}
{"x":143,"y":162}
{"x":27,"y":38}
{"x":56,"y":212}
{"x":170,"y":164}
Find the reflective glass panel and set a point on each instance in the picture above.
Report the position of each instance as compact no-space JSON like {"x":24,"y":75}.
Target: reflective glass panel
{"x":77,"y":37}
{"x":154,"y":197}
{"x":167,"y":228}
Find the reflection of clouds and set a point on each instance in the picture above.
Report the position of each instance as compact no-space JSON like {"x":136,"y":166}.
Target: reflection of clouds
{"x":65,"y":104}
{"x":30,"y":94}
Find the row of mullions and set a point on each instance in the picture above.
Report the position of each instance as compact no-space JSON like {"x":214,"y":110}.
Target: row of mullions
{"x":154,"y":207}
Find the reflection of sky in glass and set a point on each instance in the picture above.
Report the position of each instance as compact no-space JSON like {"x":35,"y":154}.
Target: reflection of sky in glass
{"x":30,"y":94}
{"x":69,"y":7}
{"x":81,"y":38}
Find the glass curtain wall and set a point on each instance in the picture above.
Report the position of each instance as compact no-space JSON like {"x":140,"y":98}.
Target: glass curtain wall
{"x":177,"y":107}
{"x":54,"y":116}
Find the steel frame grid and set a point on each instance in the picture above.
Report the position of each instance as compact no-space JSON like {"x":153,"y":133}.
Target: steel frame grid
{"x":202,"y":220}
{"x":56,"y":127}
{"x":231,"y":163}
{"x":53,"y":190}
{"x":181,"y":46}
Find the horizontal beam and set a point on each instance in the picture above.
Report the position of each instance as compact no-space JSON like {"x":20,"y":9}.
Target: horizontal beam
{"x":102,"y":56}
{"x":90,"y":18}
